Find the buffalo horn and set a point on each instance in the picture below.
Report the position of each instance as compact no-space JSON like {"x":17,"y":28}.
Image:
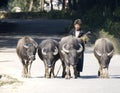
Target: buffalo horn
{"x":98,"y":53}
{"x":44,"y":53}
{"x":63,"y":47}
{"x":110,"y":53}
{"x":56,"y":51}
{"x":80,"y":49}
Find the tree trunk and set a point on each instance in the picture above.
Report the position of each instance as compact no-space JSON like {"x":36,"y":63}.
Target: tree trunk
{"x":42,"y":5}
{"x":31,"y":5}
{"x":70,"y":4}
{"x":51,"y":5}
{"x":63,"y":5}
{"x":74,"y":5}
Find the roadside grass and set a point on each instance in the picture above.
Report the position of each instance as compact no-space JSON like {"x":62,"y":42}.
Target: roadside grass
{"x":115,"y":41}
{"x":8,"y":80}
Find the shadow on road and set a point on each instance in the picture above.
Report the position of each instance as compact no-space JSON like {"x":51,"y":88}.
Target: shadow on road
{"x":115,"y":76}
{"x":11,"y":30}
{"x":10,"y":41}
{"x":89,"y":77}
{"x":5,"y":61}
{"x":82,"y":77}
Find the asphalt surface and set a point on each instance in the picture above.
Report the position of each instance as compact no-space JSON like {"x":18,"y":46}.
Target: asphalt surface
{"x":36,"y":26}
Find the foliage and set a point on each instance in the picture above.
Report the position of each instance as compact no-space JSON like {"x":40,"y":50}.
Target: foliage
{"x":115,"y":41}
{"x":117,"y":12}
{"x":24,"y":5}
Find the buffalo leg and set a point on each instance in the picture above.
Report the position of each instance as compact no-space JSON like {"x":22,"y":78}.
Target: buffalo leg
{"x":26,"y":69}
{"x":29,"y":69}
{"x":105,"y":73}
{"x":67,"y":76}
{"x":75,"y":71}
{"x":24,"y":72}
{"x":63,"y":73}
{"x":100,"y":72}
{"x":46,"y":72}
{"x":52,"y":72}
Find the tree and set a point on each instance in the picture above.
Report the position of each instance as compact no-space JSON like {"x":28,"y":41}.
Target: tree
{"x":51,"y":5}
{"x":3,"y":3}
{"x":31,"y":5}
{"x":42,"y":5}
{"x":70,"y":4}
{"x":63,"y":5}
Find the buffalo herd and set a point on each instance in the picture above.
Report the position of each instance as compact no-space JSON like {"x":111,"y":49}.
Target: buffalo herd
{"x":68,"y":50}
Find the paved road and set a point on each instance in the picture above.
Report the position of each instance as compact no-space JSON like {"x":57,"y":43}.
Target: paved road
{"x":88,"y":83}
{"x":36,"y":26}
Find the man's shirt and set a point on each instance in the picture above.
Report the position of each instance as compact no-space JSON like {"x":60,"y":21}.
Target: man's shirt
{"x":76,"y":33}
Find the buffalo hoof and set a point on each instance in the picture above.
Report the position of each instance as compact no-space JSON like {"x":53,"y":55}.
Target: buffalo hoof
{"x":107,"y":77}
{"x":28,"y":76}
{"x":67,"y":77}
{"x":47,"y":76}
{"x":24,"y":76}
{"x":75,"y":77}
{"x":52,"y":76}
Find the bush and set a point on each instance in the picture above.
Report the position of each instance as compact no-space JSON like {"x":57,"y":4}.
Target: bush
{"x":113,"y":27}
{"x":115,"y":41}
{"x":94,"y":18}
{"x":117,"y":12}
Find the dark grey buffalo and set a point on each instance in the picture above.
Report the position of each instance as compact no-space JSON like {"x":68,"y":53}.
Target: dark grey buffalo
{"x":26,"y":50}
{"x":103,"y":51}
{"x":48,"y":53}
{"x":70,"y":49}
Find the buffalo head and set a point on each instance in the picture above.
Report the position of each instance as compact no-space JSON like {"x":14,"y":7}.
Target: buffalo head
{"x":49,"y":56}
{"x":104,"y":58}
{"x":30,"y":51}
{"x":71,"y":53}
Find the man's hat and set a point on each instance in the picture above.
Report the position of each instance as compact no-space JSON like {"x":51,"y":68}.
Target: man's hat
{"x":78,"y":21}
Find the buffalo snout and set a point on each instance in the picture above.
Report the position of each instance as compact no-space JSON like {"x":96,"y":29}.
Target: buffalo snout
{"x":32,"y":57}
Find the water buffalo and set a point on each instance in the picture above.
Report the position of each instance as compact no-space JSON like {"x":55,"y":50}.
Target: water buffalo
{"x":26,"y":50}
{"x":103,"y":51}
{"x":48,"y":53}
{"x":70,"y":49}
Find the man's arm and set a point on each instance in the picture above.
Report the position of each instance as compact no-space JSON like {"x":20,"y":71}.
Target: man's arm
{"x":71,"y":32}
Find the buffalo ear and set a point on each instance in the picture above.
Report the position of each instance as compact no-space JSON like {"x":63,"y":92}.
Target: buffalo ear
{"x":56,"y":51}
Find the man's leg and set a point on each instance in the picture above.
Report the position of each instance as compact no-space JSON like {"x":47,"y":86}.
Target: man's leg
{"x":80,"y":64}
